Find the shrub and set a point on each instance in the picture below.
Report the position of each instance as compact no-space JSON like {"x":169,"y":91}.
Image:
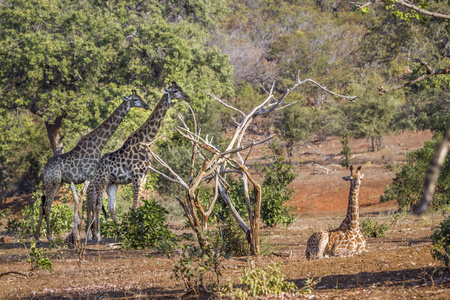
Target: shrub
{"x":38,"y":259}
{"x":261,"y":282}
{"x":441,"y":242}
{"x":199,"y":270}
{"x":370,"y":228}
{"x":61,"y":219}
{"x":278,"y":174}
{"x":407,"y":187}
{"x":232,"y":238}
{"x":144,"y":228}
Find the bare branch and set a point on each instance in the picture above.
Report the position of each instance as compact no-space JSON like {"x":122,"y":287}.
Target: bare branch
{"x":409,"y":5}
{"x":425,"y":12}
{"x":162,"y":163}
{"x":349,"y":98}
{"x":430,"y":72}
{"x":225,"y":104}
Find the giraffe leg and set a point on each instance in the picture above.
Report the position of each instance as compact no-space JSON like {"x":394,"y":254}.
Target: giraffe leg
{"x":97,"y":210}
{"x":37,"y":233}
{"x":45,"y":210}
{"x":138,"y":185}
{"x":316,"y":245}
{"x":91,"y":196}
{"x":111,"y":191}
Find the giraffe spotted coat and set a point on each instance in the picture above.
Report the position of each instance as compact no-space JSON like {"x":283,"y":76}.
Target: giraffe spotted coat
{"x":347,"y":239}
{"x":129,"y":164}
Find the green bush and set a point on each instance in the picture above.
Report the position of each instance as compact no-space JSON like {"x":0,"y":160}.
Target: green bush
{"x":278,"y":174}
{"x":199,"y":270}
{"x":142,"y":229}
{"x":61,"y":219}
{"x":441,"y":243}
{"x":38,"y":259}
{"x":261,"y":282}
{"x":370,"y":228}
{"x":407,"y":187}
{"x":232,"y":238}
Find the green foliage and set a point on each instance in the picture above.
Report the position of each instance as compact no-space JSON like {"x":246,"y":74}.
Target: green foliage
{"x":198,"y":270}
{"x":371,"y":228}
{"x":371,"y":115}
{"x":144,"y":228}
{"x":61,"y":219}
{"x":407,"y":186}
{"x":278,"y":174}
{"x":232,"y":238}
{"x":441,"y":243}
{"x":74,"y":59}
{"x":2,"y":214}
{"x":346,"y":150}
{"x":263,"y":282}
{"x":37,"y":258}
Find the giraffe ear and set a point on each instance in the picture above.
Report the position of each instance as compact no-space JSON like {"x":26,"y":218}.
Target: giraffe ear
{"x":134,"y":92}
{"x":347,"y":178}
{"x":359,"y":169}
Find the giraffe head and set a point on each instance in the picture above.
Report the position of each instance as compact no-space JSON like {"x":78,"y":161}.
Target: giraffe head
{"x":354,"y":178}
{"x":135,"y":100}
{"x":175,"y":92}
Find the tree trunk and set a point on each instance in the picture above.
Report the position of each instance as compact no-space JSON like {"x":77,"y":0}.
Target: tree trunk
{"x":54,"y":137}
{"x":433,"y":172}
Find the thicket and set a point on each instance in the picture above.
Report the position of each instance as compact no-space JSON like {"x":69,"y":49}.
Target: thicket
{"x":441,"y":243}
{"x":142,"y":229}
{"x":407,"y":186}
{"x":277,"y":174}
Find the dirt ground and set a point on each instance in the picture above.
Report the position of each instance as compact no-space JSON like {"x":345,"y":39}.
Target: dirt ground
{"x":398,"y":266}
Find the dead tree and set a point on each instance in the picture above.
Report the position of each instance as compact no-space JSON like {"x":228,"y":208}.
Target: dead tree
{"x":73,"y":239}
{"x":217,"y":165}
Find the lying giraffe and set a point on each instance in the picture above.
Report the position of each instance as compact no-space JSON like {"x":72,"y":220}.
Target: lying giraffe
{"x":77,"y":165}
{"x":347,"y":239}
{"x":129,"y":164}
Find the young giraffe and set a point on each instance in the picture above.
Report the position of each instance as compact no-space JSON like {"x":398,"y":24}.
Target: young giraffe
{"x":129,"y":164}
{"x":347,"y":239}
{"x":77,"y":165}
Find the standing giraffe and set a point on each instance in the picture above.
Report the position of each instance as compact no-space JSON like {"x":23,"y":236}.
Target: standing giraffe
{"x":347,"y":239}
{"x":77,"y":165}
{"x":129,"y":164}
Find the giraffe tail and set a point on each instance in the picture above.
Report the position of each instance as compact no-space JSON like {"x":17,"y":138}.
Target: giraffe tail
{"x":104,"y":212}
{"x":43,"y":203}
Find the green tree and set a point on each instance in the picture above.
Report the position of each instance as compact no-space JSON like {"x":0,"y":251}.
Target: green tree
{"x":61,"y":59}
{"x":371,"y":115}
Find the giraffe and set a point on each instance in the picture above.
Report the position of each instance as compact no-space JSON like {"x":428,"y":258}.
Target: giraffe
{"x":78,"y":164}
{"x":347,"y":239}
{"x":129,"y":164}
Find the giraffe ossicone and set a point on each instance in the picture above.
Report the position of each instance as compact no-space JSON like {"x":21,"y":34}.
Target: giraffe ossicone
{"x":129,"y":164}
{"x":347,"y":238}
{"x":78,"y":165}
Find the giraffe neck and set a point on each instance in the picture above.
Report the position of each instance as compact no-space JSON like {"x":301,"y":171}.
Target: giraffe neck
{"x":347,"y":221}
{"x":148,"y":131}
{"x":354,"y":214}
{"x":97,"y":139}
